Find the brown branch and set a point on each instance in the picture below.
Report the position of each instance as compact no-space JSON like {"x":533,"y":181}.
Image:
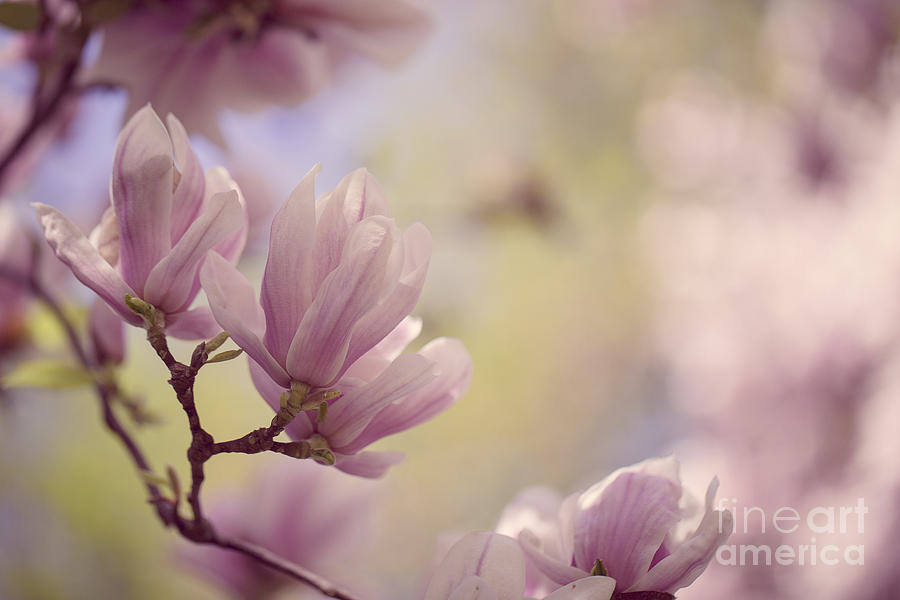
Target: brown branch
{"x":203,"y":447}
{"x":43,"y":109}
{"x":198,"y":529}
{"x":290,"y":569}
{"x":105,"y":390}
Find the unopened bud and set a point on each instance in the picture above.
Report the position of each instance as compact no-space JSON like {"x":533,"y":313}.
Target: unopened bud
{"x":225,"y":355}
{"x":152,"y":317}
{"x":138,"y":306}
{"x":214,"y":344}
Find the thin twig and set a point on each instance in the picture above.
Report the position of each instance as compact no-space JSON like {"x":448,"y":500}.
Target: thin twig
{"x":199,"y":529}
{"x":105,"y":390}
{"x":203,"y":447}
{"x":290,"y":569}
{"x":43,"y":110}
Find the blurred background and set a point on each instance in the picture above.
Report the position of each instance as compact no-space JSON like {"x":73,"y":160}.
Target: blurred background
{"x":659,"y":227}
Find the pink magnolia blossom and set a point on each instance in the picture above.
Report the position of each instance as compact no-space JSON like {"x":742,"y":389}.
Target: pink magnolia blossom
{"x":302,"y":512}
{"x":631,"y":521}
{"x":163,"y":221}
{"x":489,"y":566}
{"x":193,"y":58}
{"x":339,"y":281}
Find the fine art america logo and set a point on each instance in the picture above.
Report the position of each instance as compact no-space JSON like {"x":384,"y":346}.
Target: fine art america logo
{"x":794,"y":534}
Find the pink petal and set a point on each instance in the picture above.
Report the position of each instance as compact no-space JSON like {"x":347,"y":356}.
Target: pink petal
{"x":623,"y":523}
{"x":560,"y":572}
{"x":141,"y":189}
{"x":356,"y":197}
{"x":588,"y":588}
{"x":350,"y":415}
{"x":319,"y":349}
{"x":187,"y":199}
{"x":171,"y":282}
{"x":473,"y":588}
{"x":376,"y":360}
{"x":494,"y":558}
{"x":455,"y":374}
{"x":281,"y":67}
{"x":385,"y":31}
{"x":371,"y":465}
{"x":537,"y":509}
{"x":217,"y":181}
{"x":74,"y":249}
{"x":399,"y":302}
{"x":232,"y":301}
{"x":286,"y":292}
{"x":396,"y":341}
{"x":192,"y":324}
{"x":105,"y":237}
{"x":690,"y":559}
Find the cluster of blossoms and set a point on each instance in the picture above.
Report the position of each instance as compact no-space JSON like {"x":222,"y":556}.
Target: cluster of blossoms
{"x":326,"y":340}
{"x":328,"y":332}
{"x":208,"y":55}
{"x":627,"y":536}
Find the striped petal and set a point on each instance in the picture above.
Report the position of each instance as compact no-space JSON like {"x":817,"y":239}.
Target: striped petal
{"x":370,"y":465}
{"x":234,"y":305}
{"x":588,"y":588}
{"x":350,"y":415}
{"x":454,"y":374}
{"x":319,"y":349}
{"x":495,"y":558}
{"x":187,"y":199}
{"x":688,"y":560}
{"x":286,"y":292}
{"x":399,"y":302}
{"x":170,"y":283}
{"x":141,"y":189}
{"x":623,"y":523}
{"x":73,"y":248}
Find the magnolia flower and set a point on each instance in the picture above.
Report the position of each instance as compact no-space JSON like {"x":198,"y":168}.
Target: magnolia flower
{"x":489,"y":566}
{"x":201,"y":56}
{"x":339,"y":279}
{"x":163,"y":221}
{"x":326,"y":536}
{"x":628,"y":526}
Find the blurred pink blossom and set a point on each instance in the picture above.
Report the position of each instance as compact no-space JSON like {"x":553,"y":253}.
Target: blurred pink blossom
{"x":778,"y":323}
{"x":302,"y":512}
{"x":195,"y":57}
{"x":488,"y":566}
{"x":633,"y":521}
{"x":339,"y":281}
{"x":163,"y":221}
